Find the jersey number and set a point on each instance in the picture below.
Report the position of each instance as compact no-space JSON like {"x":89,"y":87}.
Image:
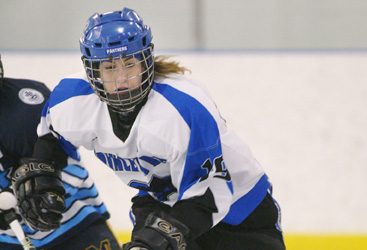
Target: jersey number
{"x":220,"y":170}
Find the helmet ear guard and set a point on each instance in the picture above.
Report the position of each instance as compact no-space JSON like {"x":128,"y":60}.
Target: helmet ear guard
{"x":115,"y":37}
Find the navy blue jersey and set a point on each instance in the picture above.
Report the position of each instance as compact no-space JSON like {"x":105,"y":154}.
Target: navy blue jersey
{"x":21,"y":104}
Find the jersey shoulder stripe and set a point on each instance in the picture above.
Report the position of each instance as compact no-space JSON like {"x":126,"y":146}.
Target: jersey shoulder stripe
{"x":196,"y":116}
{"x":76,"y":85}
{"x":197,"y":110}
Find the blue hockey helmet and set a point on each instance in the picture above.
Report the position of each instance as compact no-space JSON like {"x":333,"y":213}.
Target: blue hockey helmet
{"x":113,"y":33}
{"x":115,"y":37}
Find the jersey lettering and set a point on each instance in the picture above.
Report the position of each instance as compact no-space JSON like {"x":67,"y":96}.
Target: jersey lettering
{"x":129,"y":164}
{"x":120,"y":164}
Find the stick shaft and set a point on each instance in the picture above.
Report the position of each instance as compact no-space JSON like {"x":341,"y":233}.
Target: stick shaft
{"x":19,"y":233}
{"x":7,"y":204}
{"x":18,"y":230}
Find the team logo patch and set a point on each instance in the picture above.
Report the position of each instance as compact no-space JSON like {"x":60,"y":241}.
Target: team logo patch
{"x":31,"y":96}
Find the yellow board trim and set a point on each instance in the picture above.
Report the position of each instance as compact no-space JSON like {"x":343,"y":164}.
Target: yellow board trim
{"x":325,"y":241}
{"x":309,"y":241}
{"x":123,"y":236}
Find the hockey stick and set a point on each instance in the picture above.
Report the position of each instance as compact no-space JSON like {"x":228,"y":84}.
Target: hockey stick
{"x":7,"y":203}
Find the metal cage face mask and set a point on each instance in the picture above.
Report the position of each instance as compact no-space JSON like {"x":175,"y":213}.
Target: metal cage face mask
{"x":124,"y":81}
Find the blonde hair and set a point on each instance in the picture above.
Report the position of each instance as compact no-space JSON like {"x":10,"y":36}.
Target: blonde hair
{"x":163,"y":67}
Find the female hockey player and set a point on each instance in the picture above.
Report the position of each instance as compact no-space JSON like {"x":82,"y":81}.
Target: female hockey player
{"x":82,"y":225}
{"x":199,"y":185}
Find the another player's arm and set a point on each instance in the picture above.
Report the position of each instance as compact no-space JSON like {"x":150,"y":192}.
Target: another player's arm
{"x":38,"y":187}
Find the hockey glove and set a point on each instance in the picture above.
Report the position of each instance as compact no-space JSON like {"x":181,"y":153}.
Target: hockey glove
{"x":3,"y":224}
{"x":40,"y":194}
{"x":161,"y":232}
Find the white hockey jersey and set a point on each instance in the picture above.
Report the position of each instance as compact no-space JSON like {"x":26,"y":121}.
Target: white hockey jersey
{"x":178,"y":147}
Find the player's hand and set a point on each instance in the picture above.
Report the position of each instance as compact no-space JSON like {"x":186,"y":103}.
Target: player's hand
{"x":161,"y":232}
{"x":40,"y":194}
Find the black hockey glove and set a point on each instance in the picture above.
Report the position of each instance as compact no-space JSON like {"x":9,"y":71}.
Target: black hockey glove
{"x":3,"y":224}
{"x":161,"y":232}
{"x":40,"y":194}
{"x":6,"y":217}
